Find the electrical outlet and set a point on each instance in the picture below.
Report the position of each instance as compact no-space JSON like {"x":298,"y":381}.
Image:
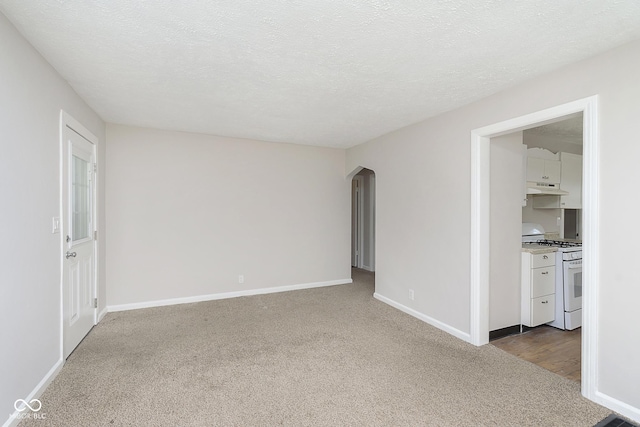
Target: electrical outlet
{"x":241,"y":279}
{"x":411,"y":294}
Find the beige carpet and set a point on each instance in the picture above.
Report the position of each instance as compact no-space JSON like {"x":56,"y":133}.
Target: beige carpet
{"x":321,"y":357}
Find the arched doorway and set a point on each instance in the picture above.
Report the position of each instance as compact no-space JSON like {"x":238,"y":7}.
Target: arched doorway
{"x":363,"y":214}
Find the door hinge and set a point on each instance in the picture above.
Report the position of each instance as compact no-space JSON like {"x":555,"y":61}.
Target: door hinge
{"x":95,"y":235}
{"x":95,"y":303}
{"x":95,"y":167}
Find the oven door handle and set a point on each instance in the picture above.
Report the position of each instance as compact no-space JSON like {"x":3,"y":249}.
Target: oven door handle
{"x":574,"y":266}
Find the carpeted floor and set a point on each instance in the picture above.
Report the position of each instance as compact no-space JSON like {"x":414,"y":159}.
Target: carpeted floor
{"x":319,"y":357}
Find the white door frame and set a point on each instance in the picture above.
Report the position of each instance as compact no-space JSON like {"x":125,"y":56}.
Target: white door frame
{"x":480,"y":244}
{"x":359,"y":220}
{"x":67,"y":121}
{"x":372,"y":222}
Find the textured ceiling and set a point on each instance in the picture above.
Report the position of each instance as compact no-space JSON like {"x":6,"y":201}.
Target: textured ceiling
{"x":571,"y":128}
{"x":319,"y":72}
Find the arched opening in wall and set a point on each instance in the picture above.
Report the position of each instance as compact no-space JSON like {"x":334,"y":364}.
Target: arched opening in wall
{"x":363,"y":219}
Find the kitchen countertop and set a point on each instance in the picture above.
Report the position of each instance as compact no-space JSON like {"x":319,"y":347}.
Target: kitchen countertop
{"x":535,"y":249}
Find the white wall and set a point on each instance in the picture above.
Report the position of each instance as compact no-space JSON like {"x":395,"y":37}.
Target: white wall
{"x":507,"y":182}
{"x":31,"y":97}
{"x":425,"y":226}
{"x":548,"y":218}
{"x":188,"y":213}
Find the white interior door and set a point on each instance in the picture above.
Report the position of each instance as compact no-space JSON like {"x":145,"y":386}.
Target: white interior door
{"x":78,"y":191}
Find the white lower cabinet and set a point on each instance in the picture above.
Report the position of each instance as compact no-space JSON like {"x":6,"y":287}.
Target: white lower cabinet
{"x":542,"y":310}
{"x":538,"y":288}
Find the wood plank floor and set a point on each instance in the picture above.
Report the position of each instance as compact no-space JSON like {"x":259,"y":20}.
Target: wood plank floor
{"x":553,"y":349}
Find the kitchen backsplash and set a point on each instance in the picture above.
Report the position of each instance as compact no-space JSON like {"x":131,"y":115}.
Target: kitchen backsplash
{"x":548,"y":218}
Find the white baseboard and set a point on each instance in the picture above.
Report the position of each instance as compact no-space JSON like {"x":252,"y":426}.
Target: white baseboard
{"x":225,"y":295}
{"x":14,"y":419}
{"x":615,"y":405}
{"x":102,"y":313}
{"x":430,"y":320}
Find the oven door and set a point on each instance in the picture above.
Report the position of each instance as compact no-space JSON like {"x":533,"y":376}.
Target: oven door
{"x":572,"y":278}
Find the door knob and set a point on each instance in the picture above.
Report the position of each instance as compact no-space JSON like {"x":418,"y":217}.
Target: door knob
{"x":70,"y":254}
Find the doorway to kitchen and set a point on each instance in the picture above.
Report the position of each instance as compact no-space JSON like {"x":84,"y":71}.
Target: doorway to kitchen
{"x":480,"y":225}
{"x":531,"y":318}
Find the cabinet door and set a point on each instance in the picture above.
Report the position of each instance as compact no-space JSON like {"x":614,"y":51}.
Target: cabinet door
{"x":552,"y":170}
{"x":543,"y":170}
{"x":543,"y":310}
{"x":571,"y":181}
{"x":543,"y":281}
{"x":535,"y":169}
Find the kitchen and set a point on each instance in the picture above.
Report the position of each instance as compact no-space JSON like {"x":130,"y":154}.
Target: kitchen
{"x":539,"y":317}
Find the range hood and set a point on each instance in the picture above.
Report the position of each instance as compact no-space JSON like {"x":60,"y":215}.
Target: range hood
{"x":543,"y":188}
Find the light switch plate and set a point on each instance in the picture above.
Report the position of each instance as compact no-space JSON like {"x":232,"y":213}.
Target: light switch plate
{"x":55,"y":225}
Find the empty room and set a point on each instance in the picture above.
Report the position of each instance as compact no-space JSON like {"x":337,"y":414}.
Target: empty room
{"x":319,"y":213}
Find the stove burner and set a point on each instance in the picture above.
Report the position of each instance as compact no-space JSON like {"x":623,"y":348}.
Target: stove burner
{"x":558,"y":243}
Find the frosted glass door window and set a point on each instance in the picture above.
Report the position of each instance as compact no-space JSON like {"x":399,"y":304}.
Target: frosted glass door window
{"x":80,"y":199}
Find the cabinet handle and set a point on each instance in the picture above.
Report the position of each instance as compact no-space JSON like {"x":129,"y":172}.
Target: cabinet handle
{"x":545,"y":302}
{"x":545,"y":272}
{"x":545,"y":177}
{"x":545,"y":257}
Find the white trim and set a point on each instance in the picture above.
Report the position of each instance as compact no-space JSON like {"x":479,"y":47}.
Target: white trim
{"x":621,"y":408}
{"x":13,"y":419}
{"x":590,"y":248}
{"x":101,"y":315}
{"x":480,"y":243}
{"x":427,"y":319}
{"x":225,"y":295}
{"x":67,"y":120}
{"x":63,"y":118}
{"x":372,"y":223}
{"x":360,"y":220}
{"x":480,"y":256}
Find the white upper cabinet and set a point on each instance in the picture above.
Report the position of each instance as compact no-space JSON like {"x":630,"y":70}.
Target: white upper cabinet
{"x":543,"y":170}
{"x":571,"y":181}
